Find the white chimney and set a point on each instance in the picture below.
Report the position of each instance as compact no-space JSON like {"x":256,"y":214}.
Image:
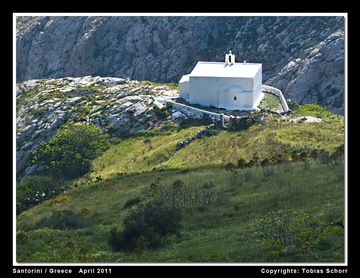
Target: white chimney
{"x":226,"y":59}
{"x":229,"y":58}
{"x":232,"y":58}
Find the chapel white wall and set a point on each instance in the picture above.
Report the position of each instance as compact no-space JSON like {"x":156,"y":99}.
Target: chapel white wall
{"x":184,"y":90}
{"x":257,"y":89}
{"x":213,"y":91}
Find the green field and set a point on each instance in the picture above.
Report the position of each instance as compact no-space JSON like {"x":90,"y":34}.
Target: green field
{"x":304,"y":196}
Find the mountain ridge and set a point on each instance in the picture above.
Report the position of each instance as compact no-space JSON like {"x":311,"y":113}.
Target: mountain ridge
{"x":162,"y":49}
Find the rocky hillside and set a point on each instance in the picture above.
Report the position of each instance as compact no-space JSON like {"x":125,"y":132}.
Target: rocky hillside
{"x":303,"y":56}
{"x":118,"y":106}
{"x":318,"y":77}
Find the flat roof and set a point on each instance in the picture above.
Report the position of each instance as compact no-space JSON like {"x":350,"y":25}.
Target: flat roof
{"x":219,"y":69}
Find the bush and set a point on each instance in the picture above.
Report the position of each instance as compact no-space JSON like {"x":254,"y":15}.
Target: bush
{"x":37,"y":189}
{"x":115,"y":140}
{"x":241,"y":123}
{"x":132,"y":202}
{"x":179,"y":195}
{"x":163,"y":112}
{"x":146,"y":228}
{"x":64,"y":220}
{"x":241,"y":163}
{"x":292,"y":103}
{"x":69,"y":152}
{"x":292,"y":232}
{"x":312,"y":109}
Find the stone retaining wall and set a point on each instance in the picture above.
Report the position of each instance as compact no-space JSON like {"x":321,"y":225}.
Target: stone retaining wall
{"x":278,"y":93}
{"x":196,"y":112}
{"x":201,"y":133}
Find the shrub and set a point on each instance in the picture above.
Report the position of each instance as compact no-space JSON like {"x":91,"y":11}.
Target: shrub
{"x":132,"y":202}
{"x":312,"y":109}
{"x":64,"y":220}
{"x":21,"y":237}
{"x":292,"y":232}
{"x":292,"y":104}
{"x":163,"y":112}
{"x":241,"y":163}
{"x":229,"y":167}
{"x":69,"y":152}
{"x":146,"y":228}
{"x":37,"y":189}
{"x":115,"y":140}
{"x":179,"y":195}
{"x":240,"y":123}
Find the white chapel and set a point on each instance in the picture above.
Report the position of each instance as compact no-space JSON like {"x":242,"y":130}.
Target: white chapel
{"x":230,"y":85}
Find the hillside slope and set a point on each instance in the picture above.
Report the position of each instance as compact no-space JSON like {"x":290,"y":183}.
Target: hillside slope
{"x":119,"y":106}
{"x":290,"y":186}
{"x":303,"y":56}
{"x":123,"y":107}
{"x":227,"y":231}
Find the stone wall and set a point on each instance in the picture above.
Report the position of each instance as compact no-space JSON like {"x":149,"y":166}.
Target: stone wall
{"x":196,"y":112}
{"x":201,"y":133}
{"x":278,"y":93}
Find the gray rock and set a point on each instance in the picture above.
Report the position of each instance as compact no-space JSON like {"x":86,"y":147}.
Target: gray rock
{"x":164,"y":48}
{"x":27,"y":131}
{"x":138,"y":109}
{"x":177,"y":114}
{"x":33,"y":169}
{"x":132,"y":99}
{"x":73,"y":100}
{"x":27,"y":146}
{"x":317,"y":78}
{"x":22,"y":159}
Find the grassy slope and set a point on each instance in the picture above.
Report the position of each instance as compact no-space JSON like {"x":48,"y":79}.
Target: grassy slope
{"x":134,"y":155}
{"x":218,"y":233}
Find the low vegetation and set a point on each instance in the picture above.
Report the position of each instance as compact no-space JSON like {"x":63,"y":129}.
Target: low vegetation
{"x":69,"y":153}
{"x":272,"y":192}
{"x":271,"y":102}
{"x":37,"y":189}
{"x":66,"y":156}
{"x":231,"y":229}
{"x":276,"y":141}
{"x":146,"y":228}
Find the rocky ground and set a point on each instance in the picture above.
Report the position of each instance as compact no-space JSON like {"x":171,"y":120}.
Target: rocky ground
{"x":119,"y":106}
{"x":318,"y":77}
{"x":302,"y":56}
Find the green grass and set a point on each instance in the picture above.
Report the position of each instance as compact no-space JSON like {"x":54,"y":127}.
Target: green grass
{"x":270,"y":101}
{"x":220,"y":233}
{"x":144,"y":153}
{"x":140,"y":153}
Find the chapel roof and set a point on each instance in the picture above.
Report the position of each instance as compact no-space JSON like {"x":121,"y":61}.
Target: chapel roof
{"x":219,"y":69}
